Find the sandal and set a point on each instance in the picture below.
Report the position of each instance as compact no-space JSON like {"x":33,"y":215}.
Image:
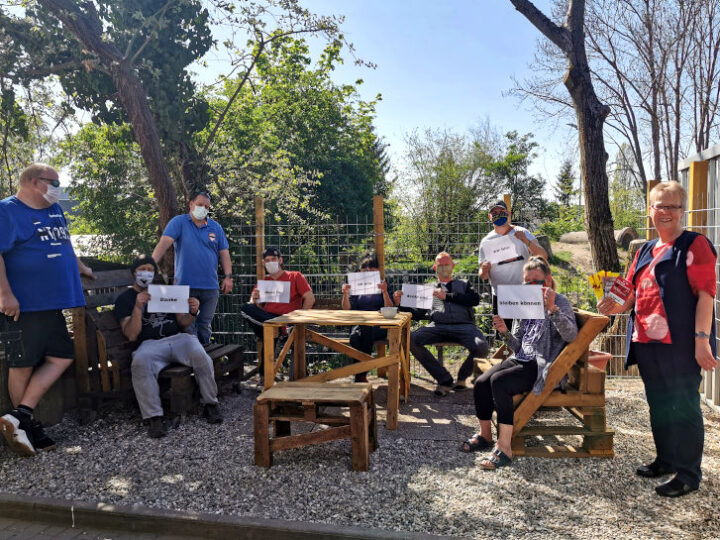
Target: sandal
{"x":495,"y":460}
{"x":475,"y":443}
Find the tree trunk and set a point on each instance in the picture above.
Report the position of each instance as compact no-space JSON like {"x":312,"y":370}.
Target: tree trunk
{"x":87,"y":28}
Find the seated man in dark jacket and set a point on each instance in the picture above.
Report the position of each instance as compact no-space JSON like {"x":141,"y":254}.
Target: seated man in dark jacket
{"x":452,"y":319}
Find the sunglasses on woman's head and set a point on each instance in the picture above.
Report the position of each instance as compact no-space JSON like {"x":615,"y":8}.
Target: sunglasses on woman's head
{"x":534,"y":282}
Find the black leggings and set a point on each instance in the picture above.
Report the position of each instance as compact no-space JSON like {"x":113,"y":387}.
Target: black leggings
{"x":494,"y":389}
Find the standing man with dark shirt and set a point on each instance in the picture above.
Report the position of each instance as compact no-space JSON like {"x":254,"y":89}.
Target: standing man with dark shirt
{"x":162,"y":342}
{"x":452,"y":318}
{"x":39,"y":277}
{"x":199,"y":243}
{"x":301,"y":295}
{"x":363,"y":338}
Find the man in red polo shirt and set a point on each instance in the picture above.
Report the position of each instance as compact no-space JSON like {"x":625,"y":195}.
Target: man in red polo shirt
{"x":301,"y":295}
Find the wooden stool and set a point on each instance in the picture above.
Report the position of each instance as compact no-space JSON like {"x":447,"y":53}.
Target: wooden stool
{"x":304,"y":402}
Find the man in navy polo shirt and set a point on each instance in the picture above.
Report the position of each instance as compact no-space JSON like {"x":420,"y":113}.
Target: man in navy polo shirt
{"x":363,"y":338}
{"x":39,"y":277}
{"x":199,"y":242}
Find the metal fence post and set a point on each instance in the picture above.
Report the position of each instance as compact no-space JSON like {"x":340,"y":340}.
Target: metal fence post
{"x":259,"y":237}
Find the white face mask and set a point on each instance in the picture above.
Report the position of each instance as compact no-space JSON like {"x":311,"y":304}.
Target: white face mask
{"x":52,"y":195}
{"x":144,"y":278}
{"x":200,"y":212}
{"x":272,"y":267}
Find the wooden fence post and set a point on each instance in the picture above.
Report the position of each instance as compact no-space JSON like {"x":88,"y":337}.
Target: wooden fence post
{"x":698,"y":196}
{"x":259,"y":237}
{"x":649,"y":227}
{"x":379,"y":230}
{"x":507,"y":197}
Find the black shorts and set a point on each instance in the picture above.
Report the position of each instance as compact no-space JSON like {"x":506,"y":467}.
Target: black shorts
{"x":34,"y":336}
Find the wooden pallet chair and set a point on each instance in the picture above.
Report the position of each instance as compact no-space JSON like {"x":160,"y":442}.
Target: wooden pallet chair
{"x":104,"y":354}
{"x":583,"y":397}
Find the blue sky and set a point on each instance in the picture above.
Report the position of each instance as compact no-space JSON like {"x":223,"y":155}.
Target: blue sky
{"x":446,"y":64}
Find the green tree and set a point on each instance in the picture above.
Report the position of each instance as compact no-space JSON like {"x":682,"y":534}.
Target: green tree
{"x":564,"y":189}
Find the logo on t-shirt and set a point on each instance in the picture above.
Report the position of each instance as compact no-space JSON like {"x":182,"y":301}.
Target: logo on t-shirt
{"x":211,"y":236}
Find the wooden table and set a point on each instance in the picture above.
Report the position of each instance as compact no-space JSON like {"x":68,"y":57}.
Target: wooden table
{"x":397,"y":360}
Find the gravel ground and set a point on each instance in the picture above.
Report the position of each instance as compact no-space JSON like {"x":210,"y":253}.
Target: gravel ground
{"x":418,"y":480}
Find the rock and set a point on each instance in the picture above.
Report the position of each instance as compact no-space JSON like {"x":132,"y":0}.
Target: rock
{"x":633,"y":247}
{"x":544,"y":241}
{"x":624,"y":236}
{"x":578,"y":237}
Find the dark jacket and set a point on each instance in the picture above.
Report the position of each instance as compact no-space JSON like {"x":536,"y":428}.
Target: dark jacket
{"x":457,"y":308}
{"x":677,"y":297}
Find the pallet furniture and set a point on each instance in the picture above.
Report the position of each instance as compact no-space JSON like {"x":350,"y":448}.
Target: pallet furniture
{"x":103,"y":354}
{"x":583,"y":397}
{"x":308,"y":402}
{"x":397,"y":361}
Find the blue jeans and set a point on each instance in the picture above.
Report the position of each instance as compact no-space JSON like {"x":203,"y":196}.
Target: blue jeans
{"x":208,"y":302}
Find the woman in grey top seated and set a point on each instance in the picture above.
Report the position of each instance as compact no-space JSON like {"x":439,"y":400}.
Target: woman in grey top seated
{"x":535,"y":344}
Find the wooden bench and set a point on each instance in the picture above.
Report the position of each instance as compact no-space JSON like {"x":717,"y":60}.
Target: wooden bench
{"x":583,"y":397}
{"x":103,"y":354}
{"x":307,"y":402}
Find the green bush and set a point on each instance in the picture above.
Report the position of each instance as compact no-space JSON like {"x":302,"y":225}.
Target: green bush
{"x":570,"y":220}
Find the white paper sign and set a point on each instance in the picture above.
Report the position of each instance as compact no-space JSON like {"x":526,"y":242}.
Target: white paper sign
{"x":168,"y":299}
{"x":274,"y":291}
{"x":417,"y":296}
{"x":520,"y":302}
{"x":363,"y":283}
{"x":500,"y":249}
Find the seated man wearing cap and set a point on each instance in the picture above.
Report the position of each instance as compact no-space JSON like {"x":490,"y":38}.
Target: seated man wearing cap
{"x":163,"y":342}
{"x":301,"y":295}
{"x":509,"y":272}
{"x":452,"y":318}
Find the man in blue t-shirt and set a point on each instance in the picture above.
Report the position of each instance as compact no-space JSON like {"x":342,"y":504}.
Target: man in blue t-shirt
{"x":363,"y":338}
{"x":199,"y":243}
{"x":39,"y":277}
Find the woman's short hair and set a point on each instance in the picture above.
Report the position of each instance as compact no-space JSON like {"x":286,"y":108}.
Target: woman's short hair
{"x":673,"y":187}
{"x":536,"y":262}
{"x":369,"y":261}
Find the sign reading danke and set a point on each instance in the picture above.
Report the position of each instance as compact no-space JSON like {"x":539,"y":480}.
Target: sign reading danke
{"x":417,"y":296}
{"x":500,"y":249}
{"x":363,"y":283}
{"x":274,"y":291}
{"x":168,"y":299}
{"x":520,"y":302}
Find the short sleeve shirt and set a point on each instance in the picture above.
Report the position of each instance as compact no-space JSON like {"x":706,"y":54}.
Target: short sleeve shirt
{"x":298,"y":287}
{"x":651,"y":320}
{"x":40,"y":263}
{"x":196,"y":251}
{"x":508,"y":272}
{"x":154,"y":325}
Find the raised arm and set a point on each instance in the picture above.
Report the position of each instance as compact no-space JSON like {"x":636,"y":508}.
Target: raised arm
{"x":132,"y":325}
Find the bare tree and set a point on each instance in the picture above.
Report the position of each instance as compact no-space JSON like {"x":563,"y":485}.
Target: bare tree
{"x":704,"y":65}
{"x":590,"y":116}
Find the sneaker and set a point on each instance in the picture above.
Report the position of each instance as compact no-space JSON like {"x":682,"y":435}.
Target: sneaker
{"x":17,"y":438}
{"x":460,"y":386}
{"x":211,"y":411}
{"x":41,"y":441}
{"x":157,"y":427}
{"x":442,"y":390}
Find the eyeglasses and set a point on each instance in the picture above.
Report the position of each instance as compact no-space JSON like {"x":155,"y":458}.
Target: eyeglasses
{"x":54,"y":182}
{"x":666,"y":207}
{"x":535,"y":282}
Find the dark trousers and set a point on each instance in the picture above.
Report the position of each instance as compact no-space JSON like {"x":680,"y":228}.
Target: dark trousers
{"x":256,"y":316}
{"x":671,"y":387}
{"x":363,"y":339}
{"x":468,"y":335}
{"x":494,"y":389}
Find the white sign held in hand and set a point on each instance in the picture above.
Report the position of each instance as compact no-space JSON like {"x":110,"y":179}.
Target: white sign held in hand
{"x":500,"y":249}
{"x":363,"y":283}
{"x":274,"y":291}
{"x":520,"y":302}
{"x":417,"y":296}
{"x":168,"y":299}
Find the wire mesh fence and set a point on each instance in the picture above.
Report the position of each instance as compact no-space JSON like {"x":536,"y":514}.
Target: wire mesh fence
{"x":326,"y":251}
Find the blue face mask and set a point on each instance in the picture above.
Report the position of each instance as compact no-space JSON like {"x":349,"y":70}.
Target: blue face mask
{"x":500,"y":220}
